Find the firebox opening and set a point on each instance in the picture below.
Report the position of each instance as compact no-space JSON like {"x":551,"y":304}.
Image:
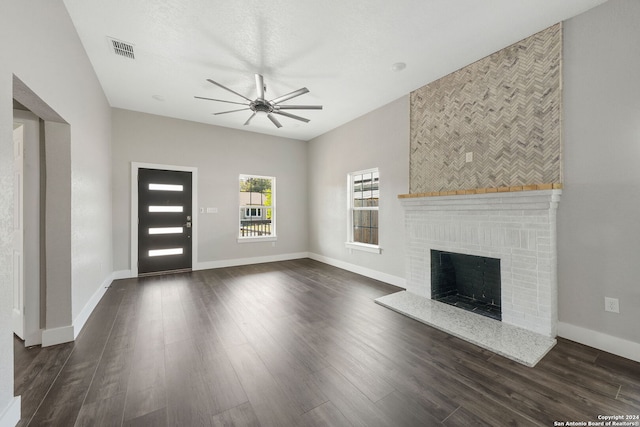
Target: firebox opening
{"x":468,"y":282}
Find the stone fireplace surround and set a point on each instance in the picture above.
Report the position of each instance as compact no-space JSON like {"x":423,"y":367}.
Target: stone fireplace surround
{"x":518,"y":227}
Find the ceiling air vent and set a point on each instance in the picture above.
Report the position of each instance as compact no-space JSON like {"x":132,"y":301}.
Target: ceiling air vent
{"x":122,"y":48}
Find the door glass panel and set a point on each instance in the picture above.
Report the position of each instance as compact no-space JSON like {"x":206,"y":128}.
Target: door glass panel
{"x":166,"y":230}
{"x":165,"y":187}
{"x":165,"y":208}
{"x":164,"y":252}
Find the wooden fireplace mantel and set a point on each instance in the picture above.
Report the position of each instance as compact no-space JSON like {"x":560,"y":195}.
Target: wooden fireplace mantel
{"x":532,"y":187}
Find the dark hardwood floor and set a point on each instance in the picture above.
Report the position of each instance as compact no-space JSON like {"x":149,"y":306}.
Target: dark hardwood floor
{"x":297,"y":343}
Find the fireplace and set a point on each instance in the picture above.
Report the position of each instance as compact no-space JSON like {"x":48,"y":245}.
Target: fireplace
{"x":517,"y":229}
{"x":468,"y":282}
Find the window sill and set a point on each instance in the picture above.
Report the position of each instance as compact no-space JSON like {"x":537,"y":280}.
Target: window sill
{"x":374,"y":249}
{"x":257,"y":239}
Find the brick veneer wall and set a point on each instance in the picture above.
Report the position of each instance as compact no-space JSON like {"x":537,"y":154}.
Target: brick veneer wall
{"x":518,"y":228}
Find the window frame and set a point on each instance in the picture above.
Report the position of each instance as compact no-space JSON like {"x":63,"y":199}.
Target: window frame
{"x":271,"y":237}
{"x":350,"y":243}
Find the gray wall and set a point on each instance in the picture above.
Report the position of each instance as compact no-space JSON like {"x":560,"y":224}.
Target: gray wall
{"x":46,"y":54}
{"x":378,"y":139}
{"x":599,"y":214}
{"x":221,"y":155}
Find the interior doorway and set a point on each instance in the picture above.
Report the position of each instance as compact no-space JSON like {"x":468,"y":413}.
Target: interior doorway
{"x":41,"y":233}
{"x":46,"y":216}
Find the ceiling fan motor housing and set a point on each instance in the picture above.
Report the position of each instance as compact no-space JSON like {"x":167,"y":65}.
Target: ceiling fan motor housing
{"x":260,"y":106}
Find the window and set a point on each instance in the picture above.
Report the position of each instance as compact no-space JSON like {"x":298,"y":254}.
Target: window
{"x":364,"y":198}
{"x":257,"y":208}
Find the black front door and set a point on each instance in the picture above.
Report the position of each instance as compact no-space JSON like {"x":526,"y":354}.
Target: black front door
{"x":164,"y":220}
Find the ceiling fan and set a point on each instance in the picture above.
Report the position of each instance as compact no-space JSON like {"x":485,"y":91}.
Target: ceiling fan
{"x":263,"y":106}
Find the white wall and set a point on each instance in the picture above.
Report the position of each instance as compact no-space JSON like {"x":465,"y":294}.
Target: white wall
{"x":599,"y":215}
{"x":221,"y":155}
{"x":43,"y":50}
{"x":378,"y":139}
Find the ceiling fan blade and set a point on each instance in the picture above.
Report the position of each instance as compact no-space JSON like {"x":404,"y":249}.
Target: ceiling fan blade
{"x":289,"y":96}
{"x":274,"y":120}
{"x":291,"y":116}
{"x":249,"y":119}
{"x":221,"y":100}
{"x":298,"y":107}
{"x":230,"y":90}
{"x":260,"y":86}
{"x":231,"y":111}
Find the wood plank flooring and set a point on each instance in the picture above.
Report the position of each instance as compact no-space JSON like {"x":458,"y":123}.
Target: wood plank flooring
{"x":297,"y":343}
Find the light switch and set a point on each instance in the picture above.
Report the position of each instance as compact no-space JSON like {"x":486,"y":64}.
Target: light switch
{"x":212,"y":210}
{"x":469,"y":157}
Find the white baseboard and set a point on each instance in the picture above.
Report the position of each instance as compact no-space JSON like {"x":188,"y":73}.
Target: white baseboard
{"x":207,"y":265}
{"x":10,"y":416}
{"x":121,"y":274}
{"x":601,"y":341}
{"x":81,"y":319}
{"x":246,"y":261}
{"x":70,"y":333}
{"x":373,"y":274}
{"x":56,"y":336}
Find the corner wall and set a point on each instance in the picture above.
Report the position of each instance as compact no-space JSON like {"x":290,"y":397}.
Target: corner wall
{"x":377,"y":139}
{"x":221,"y":155}
{"x":599,"y":216}
{"x":45,"y":53}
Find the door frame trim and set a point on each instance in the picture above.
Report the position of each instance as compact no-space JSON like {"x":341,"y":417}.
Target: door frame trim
{"x":134,"y":209}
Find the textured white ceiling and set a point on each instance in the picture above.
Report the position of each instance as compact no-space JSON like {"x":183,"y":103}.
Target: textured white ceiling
{"x":342,"y":51}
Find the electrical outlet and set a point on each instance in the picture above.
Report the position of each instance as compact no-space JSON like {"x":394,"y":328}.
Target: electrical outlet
{"x":612,"y":305}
